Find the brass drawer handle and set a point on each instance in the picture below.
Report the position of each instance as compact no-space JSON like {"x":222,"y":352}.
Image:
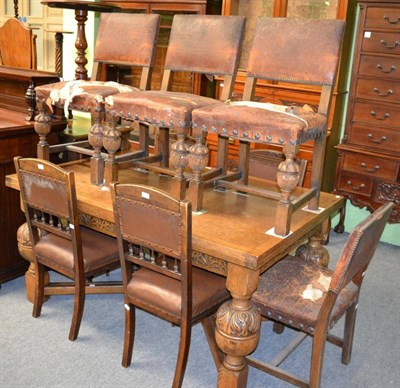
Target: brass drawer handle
{"x":392,"y":68}
{"x":385,"y":116}
{"x":373,"y":169}
{"x":379,"y":141}
{"x":388,"y":93}
{"x":361,"y":187}
{"x":387,"y":19}
{"x":394,"y":45}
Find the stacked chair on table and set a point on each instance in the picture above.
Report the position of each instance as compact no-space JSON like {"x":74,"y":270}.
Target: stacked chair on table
{"x":311,"y":299}
{"x":123,"y":40}
{"x":166,"y":284}
{"x":202,"y":44}
{"x":59,"y":243}
{"x":298,"y":51}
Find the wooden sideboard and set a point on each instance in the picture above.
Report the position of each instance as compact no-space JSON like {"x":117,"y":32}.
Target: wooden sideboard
{"x":17,"y":137}
{"x":368,"y":168}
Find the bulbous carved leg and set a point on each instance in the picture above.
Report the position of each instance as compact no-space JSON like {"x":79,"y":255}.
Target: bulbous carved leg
{"x":237,"y":327}
{"x":96,"y":141}
{"x":25,"y":250}
{"x":287,"y":179}
{"x":179,"y":159}
{"x":43,"y":128}
{"x":111,"y":142}
{"x":198,"y":160}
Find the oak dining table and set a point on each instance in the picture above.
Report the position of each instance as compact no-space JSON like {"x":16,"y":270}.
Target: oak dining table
{"x":232,"y":236}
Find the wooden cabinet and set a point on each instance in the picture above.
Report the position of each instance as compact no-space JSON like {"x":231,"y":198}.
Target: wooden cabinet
{"x":287,"y":94}
{"x":368,"y":167}
{"x":183,"y":82}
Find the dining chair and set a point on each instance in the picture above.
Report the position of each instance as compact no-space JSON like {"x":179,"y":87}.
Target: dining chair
{"x":123,"y":39}
{"x":284,"y":50}
{"x":199,"y":44}
{"x":154,"y":232}
{"x":311,"y":299}
{"x":17,"y":45}
{"x":59,"y":243}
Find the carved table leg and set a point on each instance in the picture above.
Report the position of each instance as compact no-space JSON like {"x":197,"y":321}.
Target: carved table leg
{"x":25,"y":250}
{"x":314,"y":251}
{"x":339,"y":228}
{"x":81,"y":44}
{"x":237,"y":327}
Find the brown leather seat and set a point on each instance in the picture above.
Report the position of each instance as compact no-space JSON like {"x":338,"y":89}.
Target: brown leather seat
{"x":154,"y":233}
{"x":211,"y":48}
{"x":311,"y":299}
{"x":135,"y":47}
{"x":295,"y":51}
{"x":58,"y":241}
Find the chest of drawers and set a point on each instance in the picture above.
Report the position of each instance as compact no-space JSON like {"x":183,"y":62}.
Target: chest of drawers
{"x":368,"y":167}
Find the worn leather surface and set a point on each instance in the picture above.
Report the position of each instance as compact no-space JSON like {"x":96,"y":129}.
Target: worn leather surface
{"x":278,"y":54}
{"x":259,"y":125}
{"x":281,"y":290}
{"x":99,"y":251}
{"x":170,"y":109}
{"x":85,"y":96}
{"x":205,"y":43}
{"x":127,"y":38}
{"x":163,"y":293}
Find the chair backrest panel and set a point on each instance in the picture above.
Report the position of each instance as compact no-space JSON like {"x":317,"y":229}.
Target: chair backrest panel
{"x":153,"y":219}
{"x":304,"y":51}
{"x":17,"y":45}
{"x":49,"y":198}
{"x":207,"y":44}
{"x":360,"y":247}
{"x":127,"y":39}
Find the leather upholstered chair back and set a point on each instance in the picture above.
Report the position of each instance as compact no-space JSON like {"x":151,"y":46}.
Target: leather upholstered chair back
{"x":118,"y":42}
{"x":210,"y":46}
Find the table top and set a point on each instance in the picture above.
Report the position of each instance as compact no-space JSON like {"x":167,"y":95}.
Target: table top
{"x":81,"y":5}
{"x":233,"y":227}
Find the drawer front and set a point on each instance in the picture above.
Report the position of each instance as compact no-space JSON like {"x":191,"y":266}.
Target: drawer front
{"x":376,"y":113}
{"x":381,"y":42}
{"x":387,"y":18}
{"x":379,"y":90}
{"x":382,"y":67}
{"x":356,"y":184}
{"x":370,"y":165}
{"x":375,"y":137}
